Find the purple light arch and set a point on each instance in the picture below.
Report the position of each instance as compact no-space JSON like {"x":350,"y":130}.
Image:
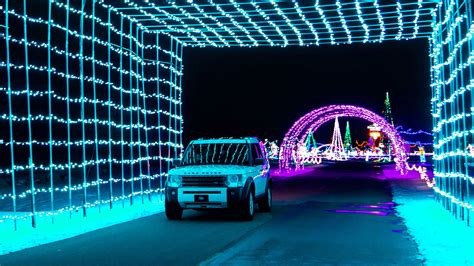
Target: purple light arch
{"x":314,"y":119}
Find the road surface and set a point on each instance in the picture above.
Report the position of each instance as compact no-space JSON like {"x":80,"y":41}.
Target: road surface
{"x":328,"y":215}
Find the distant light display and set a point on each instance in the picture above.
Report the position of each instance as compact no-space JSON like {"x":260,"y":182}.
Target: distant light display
{"x":336,"y":148}
{"x":314,"y":119}
{"x":348,"y":137}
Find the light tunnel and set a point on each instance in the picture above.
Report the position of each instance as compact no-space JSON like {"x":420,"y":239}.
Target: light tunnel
{"x":92,"y":90}
{"x":314,"y":119}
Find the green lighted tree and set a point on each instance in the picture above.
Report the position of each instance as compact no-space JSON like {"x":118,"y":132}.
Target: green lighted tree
{"x":310,"y":141}
{"x":347,"y":137}
{"x":388,"y":110}
{"x":388,"y":116}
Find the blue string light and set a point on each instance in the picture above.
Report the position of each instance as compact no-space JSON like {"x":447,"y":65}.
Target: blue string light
{"x":451,"y":54}
{"x":103,"y":78}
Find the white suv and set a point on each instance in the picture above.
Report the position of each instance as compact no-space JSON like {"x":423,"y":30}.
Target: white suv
{"x":220,"y":173}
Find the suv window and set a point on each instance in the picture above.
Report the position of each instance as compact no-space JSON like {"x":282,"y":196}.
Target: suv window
{"x":257,"y":151}
{"x":217,"y":153}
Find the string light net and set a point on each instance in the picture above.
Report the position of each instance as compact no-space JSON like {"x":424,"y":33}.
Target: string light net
{"x":91,"y":108}
{"x":91,"y":89}
{"x":452,"y":78}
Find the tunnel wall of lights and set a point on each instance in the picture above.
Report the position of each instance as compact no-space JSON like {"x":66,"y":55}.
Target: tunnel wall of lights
{"x":314,"y":119}
{"x":452,"y":79}
{"x":90,"y":109}
{"x":90,"y":90}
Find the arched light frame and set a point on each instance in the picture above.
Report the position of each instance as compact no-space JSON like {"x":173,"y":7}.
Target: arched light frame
{"x":314,"y":119}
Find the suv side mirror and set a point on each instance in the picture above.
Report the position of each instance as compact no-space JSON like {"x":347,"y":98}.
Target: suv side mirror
{"x":259,"y":161}
{"x":176,"y":162}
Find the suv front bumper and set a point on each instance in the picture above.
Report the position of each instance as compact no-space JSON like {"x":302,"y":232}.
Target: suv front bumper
{"x":205,"y":198}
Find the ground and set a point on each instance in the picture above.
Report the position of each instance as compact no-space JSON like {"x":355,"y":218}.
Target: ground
{"x":325,"y":216}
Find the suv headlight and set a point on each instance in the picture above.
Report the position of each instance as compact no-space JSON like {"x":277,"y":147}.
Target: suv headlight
{"x":234,"y":181}
{"x":175,"y":181}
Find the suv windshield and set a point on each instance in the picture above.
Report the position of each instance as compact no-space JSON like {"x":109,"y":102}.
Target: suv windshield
{"x":217,"y":153}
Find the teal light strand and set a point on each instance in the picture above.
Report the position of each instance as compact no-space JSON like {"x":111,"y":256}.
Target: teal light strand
{"x":109,"y":112}
{"x":159,"y":108}
{"x":137,"y":68}
{"x":81,"y":70}
{"x":50,"y":113}
{"x":96,"y":150}
{"x":122,"y":166}
{"x":131,"y":115}
{"x":145,"y":119}
{"x":30,"y":160}
{"x":12,"y":149}
{"x":68,"y":110}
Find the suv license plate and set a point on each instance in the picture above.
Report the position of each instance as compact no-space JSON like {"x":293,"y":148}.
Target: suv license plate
{"x":201,"y":198}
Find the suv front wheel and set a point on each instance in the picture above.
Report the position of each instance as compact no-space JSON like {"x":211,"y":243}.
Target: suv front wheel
{"x":248,"y":209}
{"x":173,"y":211}
{"x":265,"y":204}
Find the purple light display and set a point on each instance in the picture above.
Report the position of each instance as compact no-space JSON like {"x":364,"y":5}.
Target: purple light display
{"x":314,"y":119}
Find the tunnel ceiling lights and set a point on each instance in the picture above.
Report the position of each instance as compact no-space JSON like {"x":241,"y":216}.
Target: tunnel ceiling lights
{"x":281,"y":23}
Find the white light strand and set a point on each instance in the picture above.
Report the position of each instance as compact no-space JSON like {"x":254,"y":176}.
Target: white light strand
{"x":288,"y":21}
{"x":80,"y":186}
{"x":400,"y":21}
{"x":325,"y":21}
{"x":39,"y":93}
{"x":454,"y":199}
{"x":204,"y":25}
{"x":303,"y":18}
{"x":267,"y":19}
{"x":72,"y":165}
{"x":380,"y":19}
{"x":112,"y":27}
{"x":76,"y":34}
{"x":186,"y":30}
{"x":343,"y":21}
{"x":415,"y":21}
{"x":362,"y":22}
{"x":219,"y":24}
{"x":246,"y":16}
{"x":77,"y":208}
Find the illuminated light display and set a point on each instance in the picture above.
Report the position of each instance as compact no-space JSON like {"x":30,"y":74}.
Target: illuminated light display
{"x":387,"y":112}
{"x":104,"y":82}
{"x":452,"y":54}
{"x":314,"y":119}
{"x":411,"y":132}
{"x":281,"y":23}
{"x":374,"y":131}
{"x":102,"y":111}
{"x":336,"y":149}
{"x":348,"y":137}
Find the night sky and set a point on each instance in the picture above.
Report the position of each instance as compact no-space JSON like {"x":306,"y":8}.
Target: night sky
{"x":263,"y":91}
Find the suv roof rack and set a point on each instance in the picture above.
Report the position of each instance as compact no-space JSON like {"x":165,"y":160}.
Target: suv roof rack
{"x":226,"y":140}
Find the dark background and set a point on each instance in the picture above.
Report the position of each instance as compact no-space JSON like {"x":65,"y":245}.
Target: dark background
{"x":263,"y":91}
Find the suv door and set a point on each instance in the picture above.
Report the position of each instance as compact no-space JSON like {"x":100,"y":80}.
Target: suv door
{"x":261,"y":170}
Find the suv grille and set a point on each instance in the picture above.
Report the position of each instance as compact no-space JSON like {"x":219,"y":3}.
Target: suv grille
{"x":203,"y":181}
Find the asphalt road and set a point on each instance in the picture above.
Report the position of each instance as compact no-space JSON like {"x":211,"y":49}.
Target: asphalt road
{"x":326,"y":216}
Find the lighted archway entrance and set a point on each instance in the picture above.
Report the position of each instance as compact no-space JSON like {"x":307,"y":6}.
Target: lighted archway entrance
{"x":314,"y":119}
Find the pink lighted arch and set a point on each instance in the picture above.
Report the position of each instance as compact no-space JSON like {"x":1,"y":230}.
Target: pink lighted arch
{"x":313,"y":120}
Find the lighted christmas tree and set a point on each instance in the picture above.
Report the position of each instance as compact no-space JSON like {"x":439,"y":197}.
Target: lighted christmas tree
{"x":310,"y":141}
{"x":388,"y":110}
{"x":388,"y":116}
{"x":336,"y":149}
{"x":347,"y":137}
